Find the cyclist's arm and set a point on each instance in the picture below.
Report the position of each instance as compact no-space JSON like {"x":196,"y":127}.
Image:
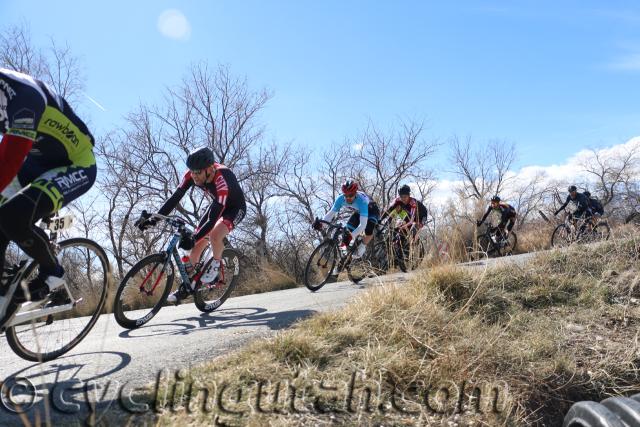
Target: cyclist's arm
{"x":23,"y":113}
{"x":337,"y":205}
{"x":363,"y":207}
{"x":564,"y":205}
{"x":174,"y":200}
{"x":486,"y":214}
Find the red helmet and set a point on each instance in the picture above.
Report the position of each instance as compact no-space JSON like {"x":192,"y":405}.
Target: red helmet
{"x":349,"y":187}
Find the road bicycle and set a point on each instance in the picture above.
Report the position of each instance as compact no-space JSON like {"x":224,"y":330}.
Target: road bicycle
{"x":144,"y":289}
{"x":329,"y":259}
{"x":579,"y":230}
{"x":494,"y":243}
{"x":40,"y":331}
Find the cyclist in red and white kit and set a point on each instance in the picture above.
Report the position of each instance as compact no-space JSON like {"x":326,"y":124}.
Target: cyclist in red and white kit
{"x":225,"y":212}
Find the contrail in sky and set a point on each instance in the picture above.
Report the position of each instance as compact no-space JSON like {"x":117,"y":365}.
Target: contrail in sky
{"x":95,"y":102}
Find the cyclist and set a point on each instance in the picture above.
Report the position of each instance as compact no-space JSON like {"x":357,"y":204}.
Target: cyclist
{"x":507,"y":215}
{"x":594,"y":204}
{"x":363,"y":219}
{"x":47,"y":161}
{"x":580,"y":201}
{"x":412,"y":211}
{"x":221,"y":217}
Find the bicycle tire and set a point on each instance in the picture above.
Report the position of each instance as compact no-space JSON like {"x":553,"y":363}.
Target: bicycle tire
{"x":231,"y":268}
{"x":119,"y":310}
{"x":600,"y":226}
{"x":558,"y":239}
{"x":15,"y":336}
{"x":327,"y":248}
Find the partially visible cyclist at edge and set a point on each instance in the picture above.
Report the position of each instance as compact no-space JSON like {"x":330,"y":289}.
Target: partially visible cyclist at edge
{"x":411,"y":210}
{"x":580,"y":201}
{"x":507,"y":215}
{"x":596,"y":207}
{"x":226,"y":211}
{"x":363,"y":219}
{"x":47,"y":161}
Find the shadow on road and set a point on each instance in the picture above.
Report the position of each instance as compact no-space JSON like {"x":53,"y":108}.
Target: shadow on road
{"x":245,"y":317}
{"x":68,"y":386}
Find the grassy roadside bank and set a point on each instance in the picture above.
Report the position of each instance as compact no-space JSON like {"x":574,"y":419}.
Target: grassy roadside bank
{"x":512,"y":345}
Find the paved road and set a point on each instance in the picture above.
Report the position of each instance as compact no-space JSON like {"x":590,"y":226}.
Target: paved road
{"x":112,"y":360}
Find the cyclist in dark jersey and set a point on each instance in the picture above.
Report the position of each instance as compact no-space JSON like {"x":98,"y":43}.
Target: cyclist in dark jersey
{"x":507,"y":215}
{"x":415,"y":209}
{"x":581,"y":202}
{"x":225,"y":212}
{"x":47,"y":161}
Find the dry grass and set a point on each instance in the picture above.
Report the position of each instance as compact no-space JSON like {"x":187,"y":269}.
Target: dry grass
{"x":562,"y":329}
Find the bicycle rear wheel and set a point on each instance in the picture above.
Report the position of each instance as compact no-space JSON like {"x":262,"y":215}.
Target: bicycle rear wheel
{"x":143,"y":291}
{"x":209,"y":297}
{"x":88,"y":273}
{"x":320,"y":265}
{"x":601,"y":231}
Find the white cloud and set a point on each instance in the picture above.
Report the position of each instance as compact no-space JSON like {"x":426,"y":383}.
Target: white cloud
{"x":571,"y":171}
{"x":629,"y":62}
{"x":173,"y":24}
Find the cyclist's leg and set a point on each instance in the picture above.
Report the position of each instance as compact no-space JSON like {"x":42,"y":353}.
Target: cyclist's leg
{"x":204,"y":227}
{"x":229,"y":220}
{"x":353,"y":222}
{"x":42,"y":197}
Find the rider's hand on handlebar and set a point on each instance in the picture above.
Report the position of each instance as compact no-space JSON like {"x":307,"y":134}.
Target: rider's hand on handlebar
{"x":346,"y":237}
{"x":317,"y":225}
{"x":187,"y":242}
{"x":145,"y":221}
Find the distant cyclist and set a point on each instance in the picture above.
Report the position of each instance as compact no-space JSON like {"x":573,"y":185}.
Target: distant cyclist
{"x":594,"y":204}
{"x":580,"y":201}
{"x":46,"y":162}
{"x":411,"y":210}
{"x":227,"y":209}
{"x":363,"y":219}
{"x":507,"y":215}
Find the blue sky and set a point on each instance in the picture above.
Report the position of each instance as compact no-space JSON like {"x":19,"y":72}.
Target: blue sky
{"x":553,"y":77}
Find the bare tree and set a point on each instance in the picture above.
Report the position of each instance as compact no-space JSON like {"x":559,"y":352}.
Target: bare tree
{"x":484,"y":170}
{"x":614,"y":173}
{"x":390,"y":158}
{"x":55,"y":65}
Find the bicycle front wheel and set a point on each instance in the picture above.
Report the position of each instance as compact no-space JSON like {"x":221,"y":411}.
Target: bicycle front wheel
{"x":561,"y":236}
{"x":320,"y":265}
{"x":88,"y":275}
{"x":143,"y":291}
{"x":209,"y":297}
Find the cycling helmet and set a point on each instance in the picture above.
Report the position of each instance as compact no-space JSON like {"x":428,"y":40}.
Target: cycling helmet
{"x":495,"y":198}
{"x":200,"y":158}
{"x":350,"y":187}
{"x":404,"y":190}
{"x":572,"y":188}
{"x":587,"y":193}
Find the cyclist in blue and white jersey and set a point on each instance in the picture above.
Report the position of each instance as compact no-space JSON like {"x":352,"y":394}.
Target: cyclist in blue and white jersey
{"x":363,"y":219}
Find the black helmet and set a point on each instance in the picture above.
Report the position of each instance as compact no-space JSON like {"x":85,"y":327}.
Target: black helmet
{"x":587,"y":193}
{"x":200,"y":158}
{"x":404,"y":190}
{"x":572,"y":188}
{"x":495,"y":198}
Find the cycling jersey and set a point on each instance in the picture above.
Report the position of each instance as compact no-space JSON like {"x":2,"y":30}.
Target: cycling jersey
{"x":361,"y":206}
{"x":507,"y":215}
{"x":46,"y":158}
{"x":596,"y":206}
{"x":416,"y":211}
{"x":581,"y":202}
{"x":228,"y":200}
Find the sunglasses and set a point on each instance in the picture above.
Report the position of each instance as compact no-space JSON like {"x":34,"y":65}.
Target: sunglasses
{"x":350,"y":196}
{"x":197,"y":171}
